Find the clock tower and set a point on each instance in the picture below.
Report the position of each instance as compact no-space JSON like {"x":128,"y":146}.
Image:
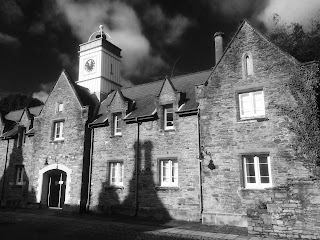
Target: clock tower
{"x":99,"y":65}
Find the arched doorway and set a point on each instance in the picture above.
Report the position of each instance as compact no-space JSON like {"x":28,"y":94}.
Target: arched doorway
{"x":54,"y":186}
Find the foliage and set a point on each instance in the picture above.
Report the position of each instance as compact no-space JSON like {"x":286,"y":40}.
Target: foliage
{"x":303,"y":45}
{"x":304,"y":116}
{"x":17,"y":101}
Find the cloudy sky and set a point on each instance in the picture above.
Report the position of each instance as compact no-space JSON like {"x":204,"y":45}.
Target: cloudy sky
{"x":39,"y":38}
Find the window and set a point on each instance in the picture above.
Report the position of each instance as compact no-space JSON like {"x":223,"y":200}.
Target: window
{"x":257,"y":171}
{"x":19,"y":175}
{"x":168,"y":117}
{"x":251,"y":104}
{"x":22,"y":136}
{"x":248,"y":65}
{"x":60,"y":107}
{"x":117,"y":117}
{"x":58,"y":130}
{"x":116,"y":173}
{"x":111,"y":70}
{"x":169,"y":172}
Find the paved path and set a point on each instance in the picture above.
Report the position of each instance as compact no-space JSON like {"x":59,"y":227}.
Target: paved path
{"x":27,"y":225}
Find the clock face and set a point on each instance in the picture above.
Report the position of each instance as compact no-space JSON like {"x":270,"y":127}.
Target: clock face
{"x":89,"y":65}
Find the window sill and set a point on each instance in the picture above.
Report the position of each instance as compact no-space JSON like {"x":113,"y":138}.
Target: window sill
{"x":116,"y":136}
{"x":253,"y":119}
{"x":167,"y":188}
{"x":110,"y":187}
{"x":57,"y":141}
{"x":169,"y":130}
{"x":256,"y":189}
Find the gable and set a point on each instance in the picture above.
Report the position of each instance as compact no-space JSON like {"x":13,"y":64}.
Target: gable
{"x":25,"y":119}
{"x":118,"y":103}
{"x":167,"y":93}
{"x":249,"y":40}
{"x":63,"y":92}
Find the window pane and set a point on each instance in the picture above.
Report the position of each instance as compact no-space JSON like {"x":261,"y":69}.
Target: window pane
{"x":251,"y":180}
{"x":165,"y":171}
{"x":245,"y":103}
{"x":264,"y":170}
{"x":120,"y":172}
{"x":265,"y":180}
{"x":250,"y":170}
{"x":174,"y":171}
{"x":258,"y":103}
{"x":61,"y":129}
{"x":60,"y":107}
{"x":249,"y":159}
{"x":112,"y":173}
{"x":263,"y":159}
{"x":249,"y":69}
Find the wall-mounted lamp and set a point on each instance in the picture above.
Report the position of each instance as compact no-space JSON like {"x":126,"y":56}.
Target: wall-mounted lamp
{"x":46,"y":162}
{"x":211,"y":165}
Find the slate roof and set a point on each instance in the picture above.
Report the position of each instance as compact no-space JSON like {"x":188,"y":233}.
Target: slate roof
{"x":15,"y":116}
{"x":144,"y":95}
{"x":12,"y":132}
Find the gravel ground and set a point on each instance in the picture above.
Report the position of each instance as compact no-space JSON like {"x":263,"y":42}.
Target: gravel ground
{"x":52,"y":225}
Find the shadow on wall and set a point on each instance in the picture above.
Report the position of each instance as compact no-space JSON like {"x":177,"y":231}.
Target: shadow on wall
{"x":149,"y":204}
{"x":14,"y":183}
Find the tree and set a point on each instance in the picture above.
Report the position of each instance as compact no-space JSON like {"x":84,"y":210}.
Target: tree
{"x":18,"y":101}
{"x":303,"y":45}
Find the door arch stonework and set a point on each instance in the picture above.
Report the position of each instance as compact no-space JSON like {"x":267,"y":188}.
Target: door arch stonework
{"x":61,"y":167}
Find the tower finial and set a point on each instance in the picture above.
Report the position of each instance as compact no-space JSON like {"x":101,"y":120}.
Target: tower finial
{"x":101,"y":29}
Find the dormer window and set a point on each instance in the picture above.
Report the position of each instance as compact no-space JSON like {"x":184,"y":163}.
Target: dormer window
{"x":168,"y":117}
{"x":117,"y":118}
{"x":248,"y":65}
{"x":60,"y":107}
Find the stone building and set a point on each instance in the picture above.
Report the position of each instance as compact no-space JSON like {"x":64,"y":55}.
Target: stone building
{"x":207,"y":145}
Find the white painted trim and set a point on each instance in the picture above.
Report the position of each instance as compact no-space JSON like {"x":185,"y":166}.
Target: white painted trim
{"x":67,"y":170}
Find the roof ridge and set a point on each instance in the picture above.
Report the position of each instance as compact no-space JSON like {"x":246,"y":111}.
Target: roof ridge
{"x":173,"y":78}
{"x":21,"y":109}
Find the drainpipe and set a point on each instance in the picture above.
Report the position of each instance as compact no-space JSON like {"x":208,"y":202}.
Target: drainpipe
{"x":90,"y":168}
{"x":136,"y":167}
{"x":200,"y":164}
{"x":4,"y":172}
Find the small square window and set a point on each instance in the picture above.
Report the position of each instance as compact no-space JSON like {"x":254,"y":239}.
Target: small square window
{"x":19,"y":174}
{"x":168,"y":117}
{"x":60,"y":107}
{"x":251,"y":104}
{"x":257,"y":171}
{"x":116,"y":173}
{"x":117,"y":121}
{"x":58,"y":130}
{"x":169,"y":172}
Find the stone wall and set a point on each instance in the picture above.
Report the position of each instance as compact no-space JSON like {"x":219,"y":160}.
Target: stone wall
{"x":180,"y":202}
{"x":291,"y":211}
{"x":228,"y":138}
{"x":68,"y":152}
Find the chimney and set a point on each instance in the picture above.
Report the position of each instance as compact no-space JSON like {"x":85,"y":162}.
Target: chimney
{"x":218,"y":45}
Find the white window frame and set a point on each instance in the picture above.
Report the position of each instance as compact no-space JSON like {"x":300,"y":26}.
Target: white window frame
{"x":19,"y":174}
{"x":117,"y":131}
{"x":118,"y":182}
{"x":60,"y":107}
{"x":252,"y":113}
{"x":58,"y":132}
{"x":165,"y":119}
{"x":170,"y":183}
{"x":257,"y":184}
